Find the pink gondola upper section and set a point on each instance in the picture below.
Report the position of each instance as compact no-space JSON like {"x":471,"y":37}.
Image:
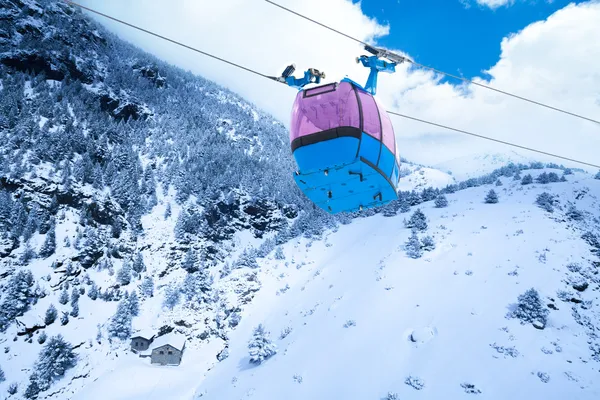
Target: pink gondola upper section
{"x":340,"y":105}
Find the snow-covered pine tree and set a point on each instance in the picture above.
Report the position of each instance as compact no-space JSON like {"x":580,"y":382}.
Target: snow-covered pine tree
{"x":93,"y":291}
{"x":527,"y":179}
{"x":543,"y":178}
{"x":413,"y":246}
{"x":553,"y":177}
{"x":138,"y":264}
{"x":19,"y":295}
{"x":190,"y":263}
{"x":597,"y":176}
{"x":417,"y":221}
{"x":31,"y":225}
{"x":491,"y":197}
{"x":75,"y":310}
{"x":498,"y":182}
{"x":64,"y":319}
{"x":28,"y":254}
{"x":279,"y":253}
{"x":42,"y":337}
{"x":172,"y":296}
{"x":120,"y":324}
{"x":427,"y":243}
{"x":574,"y":214}
{"x":260,"y":346}
{"x":441,"y":201}
{"x":546,"y":201}
{"x":168,"y":211}
{"x":64,"y":296}
{"x":517,"y":176}
{"x":124,"y":274}
{"x":49,"y":246}
{"x":147,"y":287}
{"x":75,"y":296}
{"x":51,"y":314}
{"x":134,"y":304}
{"x":55,"y":358}
{"x":530,"y":308}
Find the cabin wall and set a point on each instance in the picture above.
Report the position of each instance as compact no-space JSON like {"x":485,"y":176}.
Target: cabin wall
{"x":166,"y":355}
{"x":140,"y":344}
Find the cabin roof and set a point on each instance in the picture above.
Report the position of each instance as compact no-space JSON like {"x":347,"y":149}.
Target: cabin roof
{"x":147,"y":334}
{"x":175,"y":340}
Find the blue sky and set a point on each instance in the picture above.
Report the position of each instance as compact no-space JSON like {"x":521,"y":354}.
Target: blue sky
{"x":457,"y":36}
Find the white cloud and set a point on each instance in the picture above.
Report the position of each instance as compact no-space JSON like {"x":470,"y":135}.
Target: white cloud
{"x":493,"y":4}
{"x":553,"y":61}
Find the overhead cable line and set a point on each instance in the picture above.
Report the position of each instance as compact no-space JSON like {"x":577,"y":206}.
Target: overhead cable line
{"x":390,"y":112}
{"x":437,"y":70}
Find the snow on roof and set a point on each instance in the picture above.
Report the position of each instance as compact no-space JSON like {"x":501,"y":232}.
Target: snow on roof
{"x":174,"y":339}
{"x":145,"y":333}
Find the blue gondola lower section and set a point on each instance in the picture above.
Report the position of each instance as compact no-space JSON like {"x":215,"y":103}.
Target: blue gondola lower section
{"x":346,"y":171}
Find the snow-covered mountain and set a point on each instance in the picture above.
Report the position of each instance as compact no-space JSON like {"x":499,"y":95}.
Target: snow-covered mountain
{"x":137,"y":197}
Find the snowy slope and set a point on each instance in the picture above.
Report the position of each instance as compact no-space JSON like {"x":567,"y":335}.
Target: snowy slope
{"x":479,"y":164}
{"x":418,"y":177}
{"x":455,"y":299}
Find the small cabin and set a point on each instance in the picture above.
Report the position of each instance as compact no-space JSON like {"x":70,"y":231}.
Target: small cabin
{"x":141,"y":341}
{"x":168,"y":349}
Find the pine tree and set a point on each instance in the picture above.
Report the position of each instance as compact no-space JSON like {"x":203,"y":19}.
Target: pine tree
{"x":75,"y":310}
{"x":168,"y":211}
{"x":31,"y":225}
{"x":33,"y":388}
{"x":138,"y":264}
{"x":64,"y":319}
{"x":498,"y":182}
{"x":517,"y":176}
{"x":51,"y":314}
{"x":530,"y":308}
{"x":116,"y":229}
{"x":597,"y":176}
{"x":197,"y":286}
{"x":42,"y":338}
{"x":147,"y":287}
{"x":2,"y":376}
{"x":124,"y":274}
{"x":172,"y":296}
{"x":260,"y":346}
{"x":18,"y":219}
{"x":19,"y":295}
{"x":553,"y":177}
{"x":417,"y":221}
{"x":427,"y":243}
{"x":404,"y":205}
{"x":120,"y":324}
{"x":28,"y":254}
{"x":54,"y":360}
{"x":75,"y":296}
{"x":134,"y":304}
{"x":441,"y":201}
{"x":546,"y":201}
{"x":93,"y":292}
{"x":527,"y":179}
{"x":13,"y":388}
{"x":413,"y":246}
{"x":64,"y":296}
{"x":190,"y":263}
{"x":543,"y":178}
{"x":49,"y":246}
{"x":491,"y":197}
{"x":279,"y":253}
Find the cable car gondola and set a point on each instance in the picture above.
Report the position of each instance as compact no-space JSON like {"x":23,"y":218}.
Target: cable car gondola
{"x":342,"y":139}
